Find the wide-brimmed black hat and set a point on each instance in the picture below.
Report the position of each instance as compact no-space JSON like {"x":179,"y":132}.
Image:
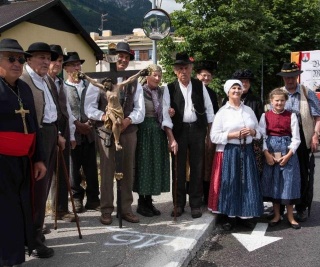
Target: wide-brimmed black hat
{"x":58,"y":50}
{"x":42,"y":47}
{"x":72,"y":57}
{"x":243,"y":74}
{"x":182,"y":58}
{"x":290,"y":70}
{"x":208,"y":65}
{"x":124,"y":48}
{"x":11,"y":45}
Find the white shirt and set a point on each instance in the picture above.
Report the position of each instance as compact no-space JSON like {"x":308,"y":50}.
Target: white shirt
{"x":229,"y":119}
{"x":189,"y":114}
{"x":72,"y":127}
{"x":92,"y":111}
{"x":295,"y":139}
{"x":50,"y":109}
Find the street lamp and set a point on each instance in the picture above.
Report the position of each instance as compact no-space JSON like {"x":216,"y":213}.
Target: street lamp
{"x":156,"y":26}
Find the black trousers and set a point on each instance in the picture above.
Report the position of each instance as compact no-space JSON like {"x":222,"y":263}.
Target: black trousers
{"x":49,"y":136}
{"x":84,"y":156}
{"x":191,"y":138}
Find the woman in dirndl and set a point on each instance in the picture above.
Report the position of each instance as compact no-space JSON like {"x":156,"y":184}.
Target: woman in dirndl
{"x":152,"y":154}
{"x":235,"y":185}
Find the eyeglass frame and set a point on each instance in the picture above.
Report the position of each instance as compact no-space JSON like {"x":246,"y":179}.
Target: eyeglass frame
{"x":13,"y":59}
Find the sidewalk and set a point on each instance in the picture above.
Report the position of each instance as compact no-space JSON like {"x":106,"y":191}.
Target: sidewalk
{"x":156,"y":241}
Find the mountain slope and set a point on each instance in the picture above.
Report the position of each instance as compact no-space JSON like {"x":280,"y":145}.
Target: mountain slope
{"x":123,"y":15}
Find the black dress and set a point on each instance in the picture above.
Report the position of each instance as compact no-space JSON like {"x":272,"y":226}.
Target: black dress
{"x":16,"y":226}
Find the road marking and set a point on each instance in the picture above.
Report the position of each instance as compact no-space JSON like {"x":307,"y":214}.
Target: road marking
{"x":257,"y":238}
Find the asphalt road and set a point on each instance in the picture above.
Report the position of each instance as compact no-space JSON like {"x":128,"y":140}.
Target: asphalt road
{"x":265,"y":247}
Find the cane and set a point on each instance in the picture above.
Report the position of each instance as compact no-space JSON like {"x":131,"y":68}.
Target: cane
{"x":69,"y":190}
{"x":175,"y":186}
{"x":118,"y":176}
{"x":57,"y":190}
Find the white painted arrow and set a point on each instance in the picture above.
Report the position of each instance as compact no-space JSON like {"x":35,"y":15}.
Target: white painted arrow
{"x":257,"y":239}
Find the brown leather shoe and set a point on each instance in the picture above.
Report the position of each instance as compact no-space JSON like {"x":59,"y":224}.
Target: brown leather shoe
{"x":106,"y":218}
{"x":130,"y":217}
{"x":64,"y":216}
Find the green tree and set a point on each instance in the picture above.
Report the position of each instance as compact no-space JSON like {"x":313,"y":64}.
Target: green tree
{"x":243,"y":34}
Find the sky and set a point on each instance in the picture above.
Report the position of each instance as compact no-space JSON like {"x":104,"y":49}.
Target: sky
{"x":168,"y":5}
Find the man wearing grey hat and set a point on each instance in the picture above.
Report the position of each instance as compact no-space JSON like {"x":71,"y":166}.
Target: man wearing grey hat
{"x":84,"y":153}
{"x":132,"y":102}
{"x":190,"y":123}
{"x":47,"y":108}
{"x":19,"y":133}
{"x":305,"y":104}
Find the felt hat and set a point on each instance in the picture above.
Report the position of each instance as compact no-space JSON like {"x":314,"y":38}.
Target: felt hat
{"x":124,"y":48}
{"x":208,"y":65}
{"x":182,"y":58}
{"x":72,"y":57}
{"x":243,"y":74}
{"x":290,"y":70}
{"x":229,"y":83}
{"x":42,"y":47}
{"x":11,"y":45}
{"x":58,"y":50}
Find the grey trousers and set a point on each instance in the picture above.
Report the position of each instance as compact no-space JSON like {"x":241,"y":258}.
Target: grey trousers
{"x":107,"y":170}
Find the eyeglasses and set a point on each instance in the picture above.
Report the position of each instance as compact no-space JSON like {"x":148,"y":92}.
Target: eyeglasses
{"x":13,"y":59}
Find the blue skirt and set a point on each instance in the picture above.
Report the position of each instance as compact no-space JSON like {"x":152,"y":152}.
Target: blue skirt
{"x":281,"y":184}
{"x":240,"y":192}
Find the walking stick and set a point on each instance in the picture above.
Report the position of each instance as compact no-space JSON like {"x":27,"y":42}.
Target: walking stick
{"x":57,"y":190}
{"x":69,"y":190}
{"x":175,"y":186}
{"x":119,"y":175}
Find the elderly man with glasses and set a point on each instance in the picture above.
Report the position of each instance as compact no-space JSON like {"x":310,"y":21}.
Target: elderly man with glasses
{"x":19,"y":146}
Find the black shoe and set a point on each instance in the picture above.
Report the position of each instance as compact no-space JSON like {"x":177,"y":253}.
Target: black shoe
{"x":248,"y":223}
{"x":94,"y":205}
{"x":295,"y":226}
{"x":154,"y":210}
{"x":273,"y":224}
{"x":179,"y":211}
{"x":43,"y":252}
{"x":196,"y":213}
{"x":301,"y":216}
{"x":144,"y":211}
{"x":229,"y":224}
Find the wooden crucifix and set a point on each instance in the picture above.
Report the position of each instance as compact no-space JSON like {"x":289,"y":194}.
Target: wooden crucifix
{"x":23,"y":113}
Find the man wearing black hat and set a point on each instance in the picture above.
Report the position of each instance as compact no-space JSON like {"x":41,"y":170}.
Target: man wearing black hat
{"x":18,"y":136}
{"x":132,"y":102}
{"x":84,"y":154}
{"x":305,"y":104}
{"x":204,"y":70}
{"x":35,"y":75}
{"x":193,"y":116}
{"x":65,"y":139}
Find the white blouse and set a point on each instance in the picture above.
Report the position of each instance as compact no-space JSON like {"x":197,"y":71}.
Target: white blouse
{"x":295,"y":139}
{"x":230,"y":119}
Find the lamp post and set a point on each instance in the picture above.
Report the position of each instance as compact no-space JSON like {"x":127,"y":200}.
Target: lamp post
{"x":156,"y":26}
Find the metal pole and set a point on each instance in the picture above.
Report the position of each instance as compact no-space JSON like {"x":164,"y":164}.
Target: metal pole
{"x":154,"y":43}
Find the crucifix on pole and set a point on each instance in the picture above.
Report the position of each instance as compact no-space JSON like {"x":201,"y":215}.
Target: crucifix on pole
{"x":113,"y":74}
